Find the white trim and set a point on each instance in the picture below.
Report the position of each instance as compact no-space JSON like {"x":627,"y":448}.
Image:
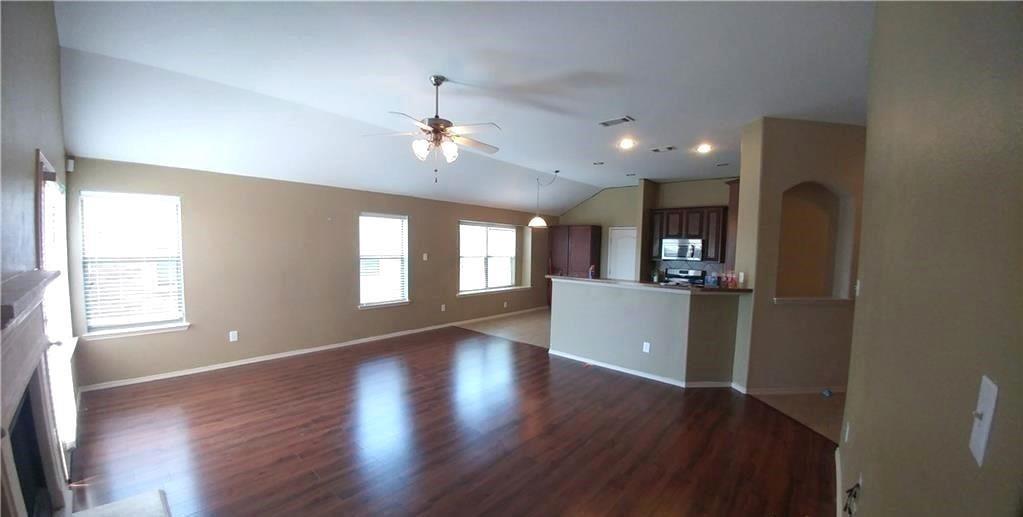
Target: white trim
{"x":381,"y":305}
{"x":637,"y":373}
{"x":795,"y":391}
{"x":739,"y":387}
{"x":136,"y":331}
{"x":290,"y":353}
{"x":495,"y":290}
{"x":838,"y":482}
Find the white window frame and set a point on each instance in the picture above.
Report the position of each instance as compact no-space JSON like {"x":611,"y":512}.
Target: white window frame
{"x":358,"y":262}
{"x":142,"y":328}
{"x":486,"y":262}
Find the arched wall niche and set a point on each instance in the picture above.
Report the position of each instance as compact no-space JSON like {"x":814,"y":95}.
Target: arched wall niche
{"x":815,"y":243}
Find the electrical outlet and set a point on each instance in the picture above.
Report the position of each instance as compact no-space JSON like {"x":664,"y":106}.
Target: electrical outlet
{"x":443,"y":307}
{"x":505,"y":305}
{"x":856,"y":289}
{"x":845,"y":434}
{"x":426,"y":256}
{"x":646,"y":347}
{"x":232,"y":336}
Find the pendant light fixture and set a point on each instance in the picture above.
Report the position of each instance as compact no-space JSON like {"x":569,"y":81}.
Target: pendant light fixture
{"x":537,"y":221}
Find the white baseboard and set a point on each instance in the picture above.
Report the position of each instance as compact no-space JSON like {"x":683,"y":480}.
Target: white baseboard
{"x":838,"y":482}
{"x":290,"y":353}
{"x":739,"y":387}
{"x":794,"y":391}
{"x":637,"y":373}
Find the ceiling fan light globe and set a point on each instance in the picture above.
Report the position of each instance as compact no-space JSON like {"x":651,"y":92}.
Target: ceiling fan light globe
{"x":450,"y":150}
{"x":421,"y":148}
{"x":537,"y":222}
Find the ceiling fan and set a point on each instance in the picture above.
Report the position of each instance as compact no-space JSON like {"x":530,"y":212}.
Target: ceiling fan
{"x":438,"y":133}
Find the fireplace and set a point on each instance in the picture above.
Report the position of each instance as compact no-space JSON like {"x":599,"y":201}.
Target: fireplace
{"x":28,"y":460}
{"x":31,"y":466}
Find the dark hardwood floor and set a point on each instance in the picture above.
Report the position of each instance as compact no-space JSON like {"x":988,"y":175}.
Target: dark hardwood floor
{"x":447,"y":422}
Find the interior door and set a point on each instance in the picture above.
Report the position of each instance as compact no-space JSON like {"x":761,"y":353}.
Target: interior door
{"x":621,"y":253}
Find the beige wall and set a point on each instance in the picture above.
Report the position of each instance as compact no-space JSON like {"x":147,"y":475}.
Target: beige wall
{"x":944,"y":165}
{"x":607,"y":208}
{"x":792,"y":346}
{"x":693,"y":193}
{"x":806,"y":255}
{"x":31,"y":119}
{"x":277,"y":262}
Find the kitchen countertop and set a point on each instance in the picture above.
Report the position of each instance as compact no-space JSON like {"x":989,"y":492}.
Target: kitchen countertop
{"x":627,"y":284}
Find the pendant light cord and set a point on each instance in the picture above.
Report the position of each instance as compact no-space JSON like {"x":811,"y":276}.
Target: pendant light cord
{"x":538,"y":185}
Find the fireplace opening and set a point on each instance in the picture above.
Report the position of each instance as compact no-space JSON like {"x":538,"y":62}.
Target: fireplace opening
{"x":28,"y":460}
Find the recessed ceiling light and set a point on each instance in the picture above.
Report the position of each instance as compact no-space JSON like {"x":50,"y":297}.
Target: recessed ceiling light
{"x":704,"y":148}
{"x":626,"y":143}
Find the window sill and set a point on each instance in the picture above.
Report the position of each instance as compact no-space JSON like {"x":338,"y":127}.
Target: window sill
{"x":381,"y":305}
{"x":494,"y":291}
{"x":136,"y":331}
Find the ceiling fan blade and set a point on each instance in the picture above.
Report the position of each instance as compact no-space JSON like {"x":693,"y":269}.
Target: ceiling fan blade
{"x":417,"y":122}
{"x":474,"y":144}
{"x":465,"y":129}
{"x":402,"y":133}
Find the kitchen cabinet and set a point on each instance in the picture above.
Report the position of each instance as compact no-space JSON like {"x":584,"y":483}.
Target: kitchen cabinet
{"x":574,"y":249}
{"x":714,"y":223}
{"x":693,"y":222}
{"x":656,"y":233}
{"x":709,"y":223}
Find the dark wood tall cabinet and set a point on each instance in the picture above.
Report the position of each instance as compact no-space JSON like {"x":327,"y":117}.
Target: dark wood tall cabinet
{"x":732,"y":223}
{"x":574,"y":249}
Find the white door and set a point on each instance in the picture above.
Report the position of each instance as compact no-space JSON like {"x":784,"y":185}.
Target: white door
{"x":621,"y":253}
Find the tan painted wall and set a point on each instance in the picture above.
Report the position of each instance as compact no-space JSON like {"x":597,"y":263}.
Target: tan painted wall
{"x":806,"y":255}
{"x":804,"y":346}
{"x":944,"y":165}
{"x":607,"y":208}
{"x":277,"y":262}
{"x":693,"y":193}
{"x":31,"y":119}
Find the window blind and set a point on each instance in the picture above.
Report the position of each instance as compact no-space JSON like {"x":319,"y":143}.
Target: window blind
{"x":486,"y":256}
{"x":383,"y":259}
{"x":131,"y":260}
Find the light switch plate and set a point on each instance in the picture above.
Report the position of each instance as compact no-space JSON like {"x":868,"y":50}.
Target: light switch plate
{"x":982,"y":418}
{"x":646,"y":347}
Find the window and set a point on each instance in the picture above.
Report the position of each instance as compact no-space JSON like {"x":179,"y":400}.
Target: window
{"x":486,"y":256}
{"x":383,"y":259}
{"x":131,"y":261}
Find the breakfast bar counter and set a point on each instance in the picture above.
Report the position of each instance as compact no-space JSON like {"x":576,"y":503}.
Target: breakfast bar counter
{"x":679,"y":335}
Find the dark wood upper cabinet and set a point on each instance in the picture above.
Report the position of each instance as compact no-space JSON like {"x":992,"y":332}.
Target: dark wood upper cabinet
{"x":714,"y":235}
{"x":656,"y":233}
{"x":692,"y":222}
{"x":705,"y":222}
{"x":574,"y":249}
{"x":672,"y":224}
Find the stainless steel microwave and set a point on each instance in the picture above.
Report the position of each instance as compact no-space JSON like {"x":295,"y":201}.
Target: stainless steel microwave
{"x":682,"y":249}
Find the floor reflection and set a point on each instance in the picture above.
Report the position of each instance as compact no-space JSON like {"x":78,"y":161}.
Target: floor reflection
{"x":484,"y":382}
{"x":383,"y":427}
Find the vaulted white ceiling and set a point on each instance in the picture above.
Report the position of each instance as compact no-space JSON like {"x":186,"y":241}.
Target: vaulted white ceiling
{"x":286,"y":90}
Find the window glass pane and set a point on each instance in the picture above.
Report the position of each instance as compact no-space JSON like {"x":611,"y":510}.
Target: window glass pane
{"x":131,"y":260}
{"x":472,"y":240}
{"x":472,"y":274}
{"x":383,"y":259}
{"x":501,"y":242}
{"x":500,"y":272}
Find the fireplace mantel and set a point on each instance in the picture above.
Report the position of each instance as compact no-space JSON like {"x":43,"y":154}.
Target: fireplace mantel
{"x":22,"y":350}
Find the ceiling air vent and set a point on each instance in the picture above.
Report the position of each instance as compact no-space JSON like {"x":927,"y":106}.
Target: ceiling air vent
{"x":664,"y":149}
{"x":616,"y":121}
